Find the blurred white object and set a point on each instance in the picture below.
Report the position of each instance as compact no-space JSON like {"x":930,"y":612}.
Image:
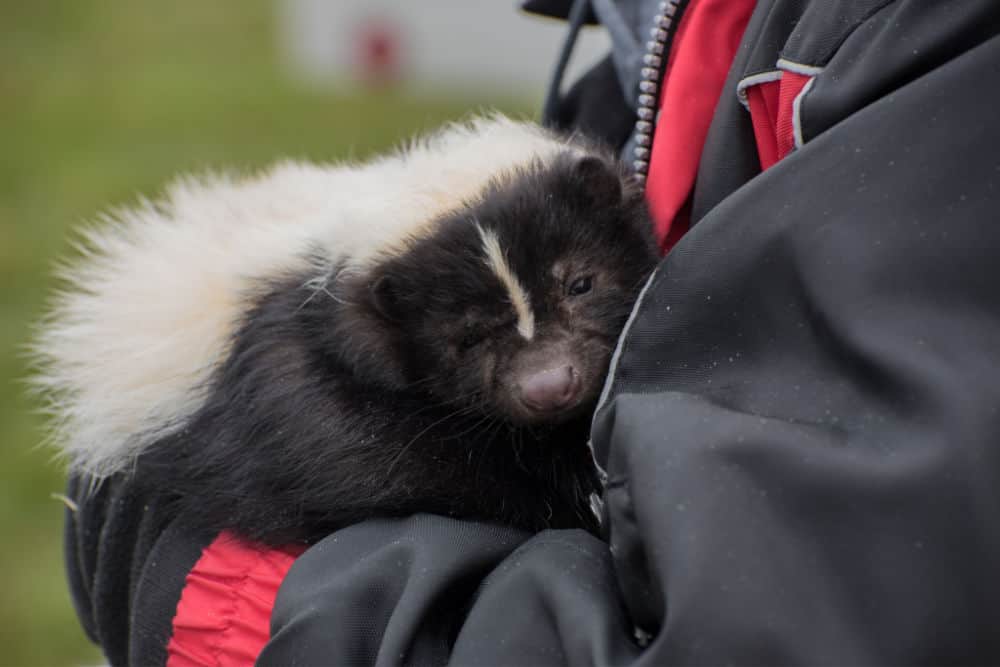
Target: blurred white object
{"x":479,"y":46}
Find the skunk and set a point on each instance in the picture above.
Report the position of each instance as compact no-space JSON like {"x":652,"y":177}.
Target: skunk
{"x":286,"y":354}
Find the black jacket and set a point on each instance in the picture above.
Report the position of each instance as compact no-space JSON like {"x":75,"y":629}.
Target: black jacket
{"x":802,"y":429}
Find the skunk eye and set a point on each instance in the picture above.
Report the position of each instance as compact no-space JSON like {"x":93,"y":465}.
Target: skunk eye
{"x":580,"y":286}
{"x":471,"y":339}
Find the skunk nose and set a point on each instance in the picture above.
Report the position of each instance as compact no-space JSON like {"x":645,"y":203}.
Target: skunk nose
{"x":551,"y":389}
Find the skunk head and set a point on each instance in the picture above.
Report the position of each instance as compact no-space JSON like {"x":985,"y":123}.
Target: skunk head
{"x":512,"y":304}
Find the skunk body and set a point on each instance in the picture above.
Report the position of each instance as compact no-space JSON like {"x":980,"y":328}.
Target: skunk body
{"x":289,"y":354}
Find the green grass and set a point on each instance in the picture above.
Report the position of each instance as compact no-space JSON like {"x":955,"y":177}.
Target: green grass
{"x":102,"y":101}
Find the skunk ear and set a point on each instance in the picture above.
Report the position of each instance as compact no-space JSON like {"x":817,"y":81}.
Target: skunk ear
{"x":384,"y":294}
{"x":599,"y":180}
{"x":370,"y":337}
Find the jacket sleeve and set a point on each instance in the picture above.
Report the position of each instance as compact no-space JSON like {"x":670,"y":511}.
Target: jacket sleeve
{"x":126,"y":563}
{"x":383,"y":592}
{"x":429,"y":590}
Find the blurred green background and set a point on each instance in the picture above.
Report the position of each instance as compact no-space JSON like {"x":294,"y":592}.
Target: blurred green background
{"x":101,"y":101}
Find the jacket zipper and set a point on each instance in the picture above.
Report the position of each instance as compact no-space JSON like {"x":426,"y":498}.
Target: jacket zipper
{"x":654,"y":62}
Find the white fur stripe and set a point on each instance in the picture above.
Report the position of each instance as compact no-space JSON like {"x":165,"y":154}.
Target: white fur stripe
{"x":518,"y":297}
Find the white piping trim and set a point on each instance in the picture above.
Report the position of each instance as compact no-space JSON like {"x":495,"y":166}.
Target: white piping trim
{"x":798,"y":68}
{"x":613,"y":367}
{"x":754,"y":80}
{"x":518,"y":296}
{"x":797,"y":113}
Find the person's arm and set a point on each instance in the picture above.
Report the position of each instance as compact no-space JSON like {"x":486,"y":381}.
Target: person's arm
{"x":126,"y":563}
{"x":392,"y":591}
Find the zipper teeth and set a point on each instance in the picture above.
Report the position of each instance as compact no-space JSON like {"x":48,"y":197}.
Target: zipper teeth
{"x":653,"y":62}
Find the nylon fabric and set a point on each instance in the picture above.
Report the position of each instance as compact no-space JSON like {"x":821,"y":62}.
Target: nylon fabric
{"x":224,"y":613}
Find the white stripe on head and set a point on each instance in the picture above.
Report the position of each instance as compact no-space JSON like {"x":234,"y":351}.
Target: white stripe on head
{"x":518,"y":296}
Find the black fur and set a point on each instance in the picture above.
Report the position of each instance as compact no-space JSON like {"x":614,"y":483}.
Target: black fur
{"x":394,"y":390}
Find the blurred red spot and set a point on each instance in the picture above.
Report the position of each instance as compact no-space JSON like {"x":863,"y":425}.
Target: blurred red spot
{"x":377,"y":52}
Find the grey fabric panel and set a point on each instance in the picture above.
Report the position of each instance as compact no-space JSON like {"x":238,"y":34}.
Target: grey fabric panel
{"x":807,"y":474}
{"x":902,"y":42}
{"x":554,"y":601}
{"x":383,"y":592}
